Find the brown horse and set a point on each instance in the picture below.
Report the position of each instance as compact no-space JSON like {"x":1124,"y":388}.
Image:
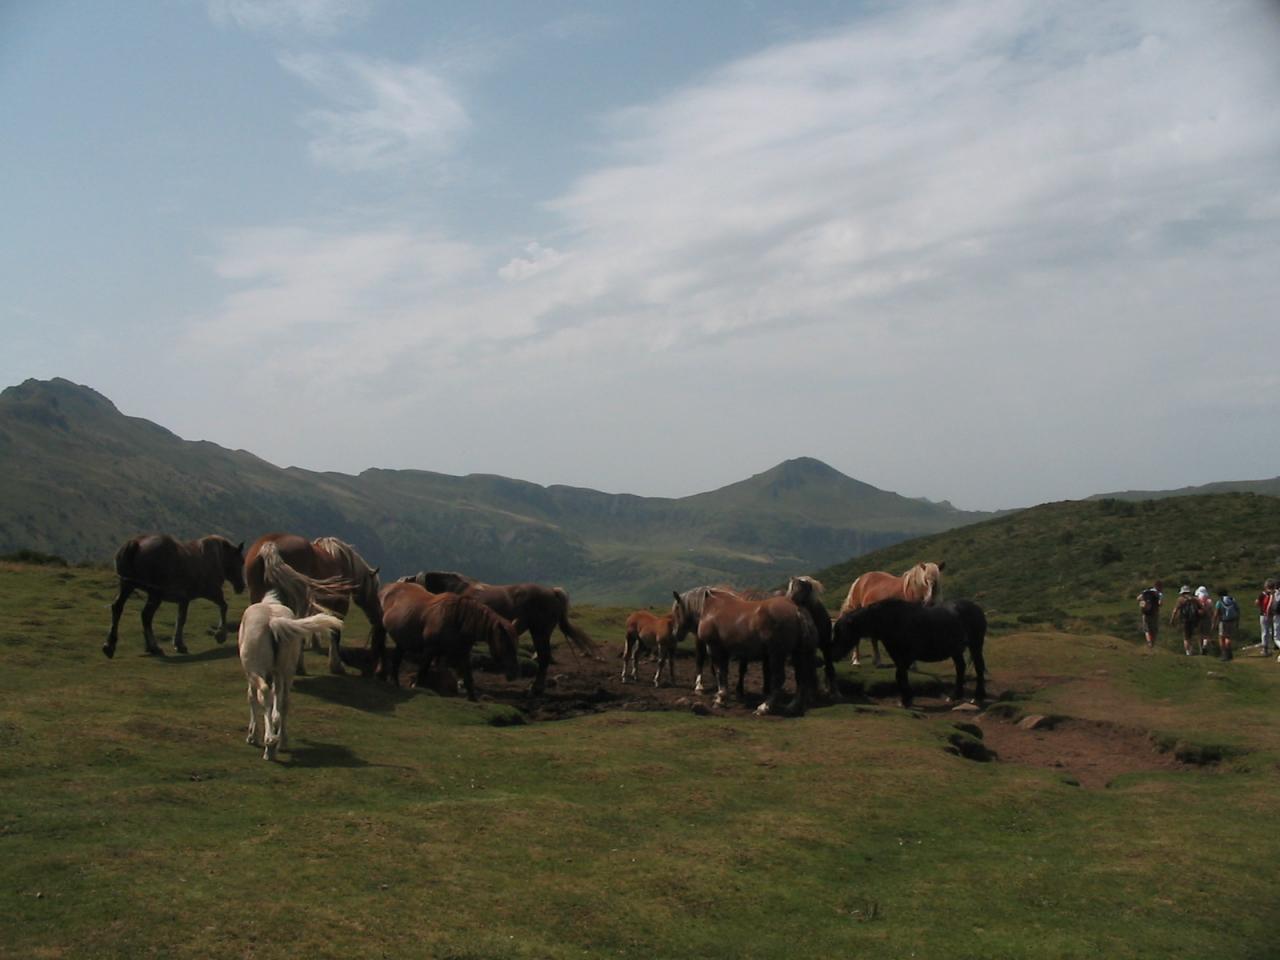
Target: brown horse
{"x":444,"y":625}
{"x":806,"y":593}
{"x":770,"y":630}
{"x":528,"y":606}
{"x":325,"y":558}
{"x":650,"y":629}
{"x":173,"y":571}
{"x":919,"y":585}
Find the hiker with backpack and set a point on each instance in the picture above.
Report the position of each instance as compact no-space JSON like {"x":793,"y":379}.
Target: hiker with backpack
{"x":1226,"y":615}
{"x":1206,"y":617}
{"x":1187,"y":612}
{"x":1266,"y":618}
{"x":1149,"y":606}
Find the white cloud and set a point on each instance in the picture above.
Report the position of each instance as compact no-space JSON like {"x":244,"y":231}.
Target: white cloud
{"x":319,"y":17}
{"x":385,"y":114}
{"x":1000,"y":223}
{"x":538,"y":259}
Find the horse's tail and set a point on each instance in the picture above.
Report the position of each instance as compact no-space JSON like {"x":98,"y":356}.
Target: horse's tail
{"x":315,"y":627}
{"x":296,"y":589}
{"x":577,"y":637}
{"x":125,"y":557}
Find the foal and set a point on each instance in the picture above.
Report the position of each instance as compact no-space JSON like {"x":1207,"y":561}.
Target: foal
{"x":650,"y":629}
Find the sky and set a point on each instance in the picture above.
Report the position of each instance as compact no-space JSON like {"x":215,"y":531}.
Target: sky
{"x":998,"y":252}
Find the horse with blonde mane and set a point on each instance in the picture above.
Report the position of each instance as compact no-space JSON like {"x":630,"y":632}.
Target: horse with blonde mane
{"x":324,"y":559}
{"x":917,"y":585}
{"x":272,"y":634}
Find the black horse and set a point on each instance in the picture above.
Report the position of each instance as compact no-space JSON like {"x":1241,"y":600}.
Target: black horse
{"x":913,"y":632}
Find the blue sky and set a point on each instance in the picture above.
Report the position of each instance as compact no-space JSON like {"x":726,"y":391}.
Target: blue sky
{"x":996,"y":251}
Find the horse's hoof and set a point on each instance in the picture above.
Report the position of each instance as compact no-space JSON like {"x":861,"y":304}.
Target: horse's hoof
{"x":220,"y":637}
{"x":180,"y":649}
{"x":762,"y":710}
{"x":108,"y":650}
{"x":154,"y":652}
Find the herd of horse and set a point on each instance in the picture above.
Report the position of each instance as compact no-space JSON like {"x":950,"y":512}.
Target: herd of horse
{"x":300,"y":590}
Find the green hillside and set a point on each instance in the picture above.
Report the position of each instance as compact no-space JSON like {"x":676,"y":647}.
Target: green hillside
{"x":1079,"y":564}
{"x":77,"y":477}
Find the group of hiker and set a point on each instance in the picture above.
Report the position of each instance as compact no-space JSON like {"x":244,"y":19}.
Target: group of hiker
{"x":1204,"y":619}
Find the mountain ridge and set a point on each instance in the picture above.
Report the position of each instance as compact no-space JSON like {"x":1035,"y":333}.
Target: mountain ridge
{"x":78,"y":476}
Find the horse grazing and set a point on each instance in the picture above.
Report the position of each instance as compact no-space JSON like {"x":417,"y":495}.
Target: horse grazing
{"x":919,"y":584}
{"x":444,"y":625}
{"x":326,"y":559}
{"x":174,"y":571}
{"x":528,"y":606}
{"x":771,"y":630}
{"x":911,"y":631}
{"x":272,"y":634}
{"x":650,"y":629}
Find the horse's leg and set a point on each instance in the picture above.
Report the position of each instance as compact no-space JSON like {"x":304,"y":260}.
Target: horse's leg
{"x":117,"y":608}
{"x":252,"y":735}
{"x":720,"y":660}
{"x":700,"y":659}
{"x":148,"y":613}
{"x":630,"y":654}
{"x":180,"y":625}
{"x":958,"y":694}
{"x":542,"y":652}
{"x":335,"y":659}
{"x":742,"y":679}
{"x":221,"y":634}
{"x":394,"y":670}
{"x":466,"y":675}
{"x":282,"y":712}
{"x":271,"y":738}
{"x":829,"y":669}
{"x":980,"y":669}
{"x":904,"y":683}
{"x":875,"y":652}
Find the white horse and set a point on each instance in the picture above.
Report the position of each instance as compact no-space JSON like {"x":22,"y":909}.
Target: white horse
{"x":273,"y":633}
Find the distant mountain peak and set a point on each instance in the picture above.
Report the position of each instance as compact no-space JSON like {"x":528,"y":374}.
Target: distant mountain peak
{"x":57,"y":392}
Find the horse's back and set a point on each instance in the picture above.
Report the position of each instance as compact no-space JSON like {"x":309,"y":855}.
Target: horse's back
{"x":872,"y":587}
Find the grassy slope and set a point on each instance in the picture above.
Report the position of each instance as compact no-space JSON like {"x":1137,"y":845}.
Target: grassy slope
{"x":1079,"y":564}
{"x":134,"y":821}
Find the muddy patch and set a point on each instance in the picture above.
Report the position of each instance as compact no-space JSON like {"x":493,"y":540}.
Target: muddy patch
{"x":1090,"y":753}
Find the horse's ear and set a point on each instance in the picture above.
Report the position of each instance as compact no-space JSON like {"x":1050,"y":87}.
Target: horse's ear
{"x":240,"y":549}
{"x":676,"y":595}
{"x":375,"y":570}
{"x":942,"y":566}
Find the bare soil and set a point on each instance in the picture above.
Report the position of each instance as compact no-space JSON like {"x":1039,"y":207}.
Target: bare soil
{"x":1092,"y":753}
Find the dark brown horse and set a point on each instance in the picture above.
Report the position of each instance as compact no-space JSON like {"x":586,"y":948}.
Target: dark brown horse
{"x":325,"y":558}
{"x":652,"y":630}
{"x":444,"y":625}
{"x":912,"y":631}
{"x":918,"y":585}
{"x":805,"y":593}
{"x":174,"y":571}
{"x":528,"y":606}
{"x":771,"y":630}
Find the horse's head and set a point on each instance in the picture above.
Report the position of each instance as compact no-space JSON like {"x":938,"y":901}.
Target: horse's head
{"x":231,"y":558}
{"x":928,"y":576}
{"x":502,"y":647}
{"x":683,"y":618}
{"x":848,"y":629}
{"x":800,"y":590}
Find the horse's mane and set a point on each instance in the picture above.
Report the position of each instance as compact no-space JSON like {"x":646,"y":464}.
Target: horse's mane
{"x":814,"y":583}
{"x":296,"y":590}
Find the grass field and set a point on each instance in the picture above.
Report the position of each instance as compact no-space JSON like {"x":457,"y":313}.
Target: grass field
{"x":135,"y":821}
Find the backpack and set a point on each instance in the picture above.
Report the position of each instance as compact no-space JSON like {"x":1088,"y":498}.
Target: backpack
{"x":1230,"y":609}
{"x":1190,"y":610}
{"x":1149,"y":601}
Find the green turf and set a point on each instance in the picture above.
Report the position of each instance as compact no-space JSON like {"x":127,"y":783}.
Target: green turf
{"x":135,"y":821}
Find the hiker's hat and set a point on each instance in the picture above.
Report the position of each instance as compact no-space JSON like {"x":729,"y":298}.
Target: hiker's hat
{"x":1186,"y":588}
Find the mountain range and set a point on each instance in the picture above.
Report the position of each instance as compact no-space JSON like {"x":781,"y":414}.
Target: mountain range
{"x":78,"y":477}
